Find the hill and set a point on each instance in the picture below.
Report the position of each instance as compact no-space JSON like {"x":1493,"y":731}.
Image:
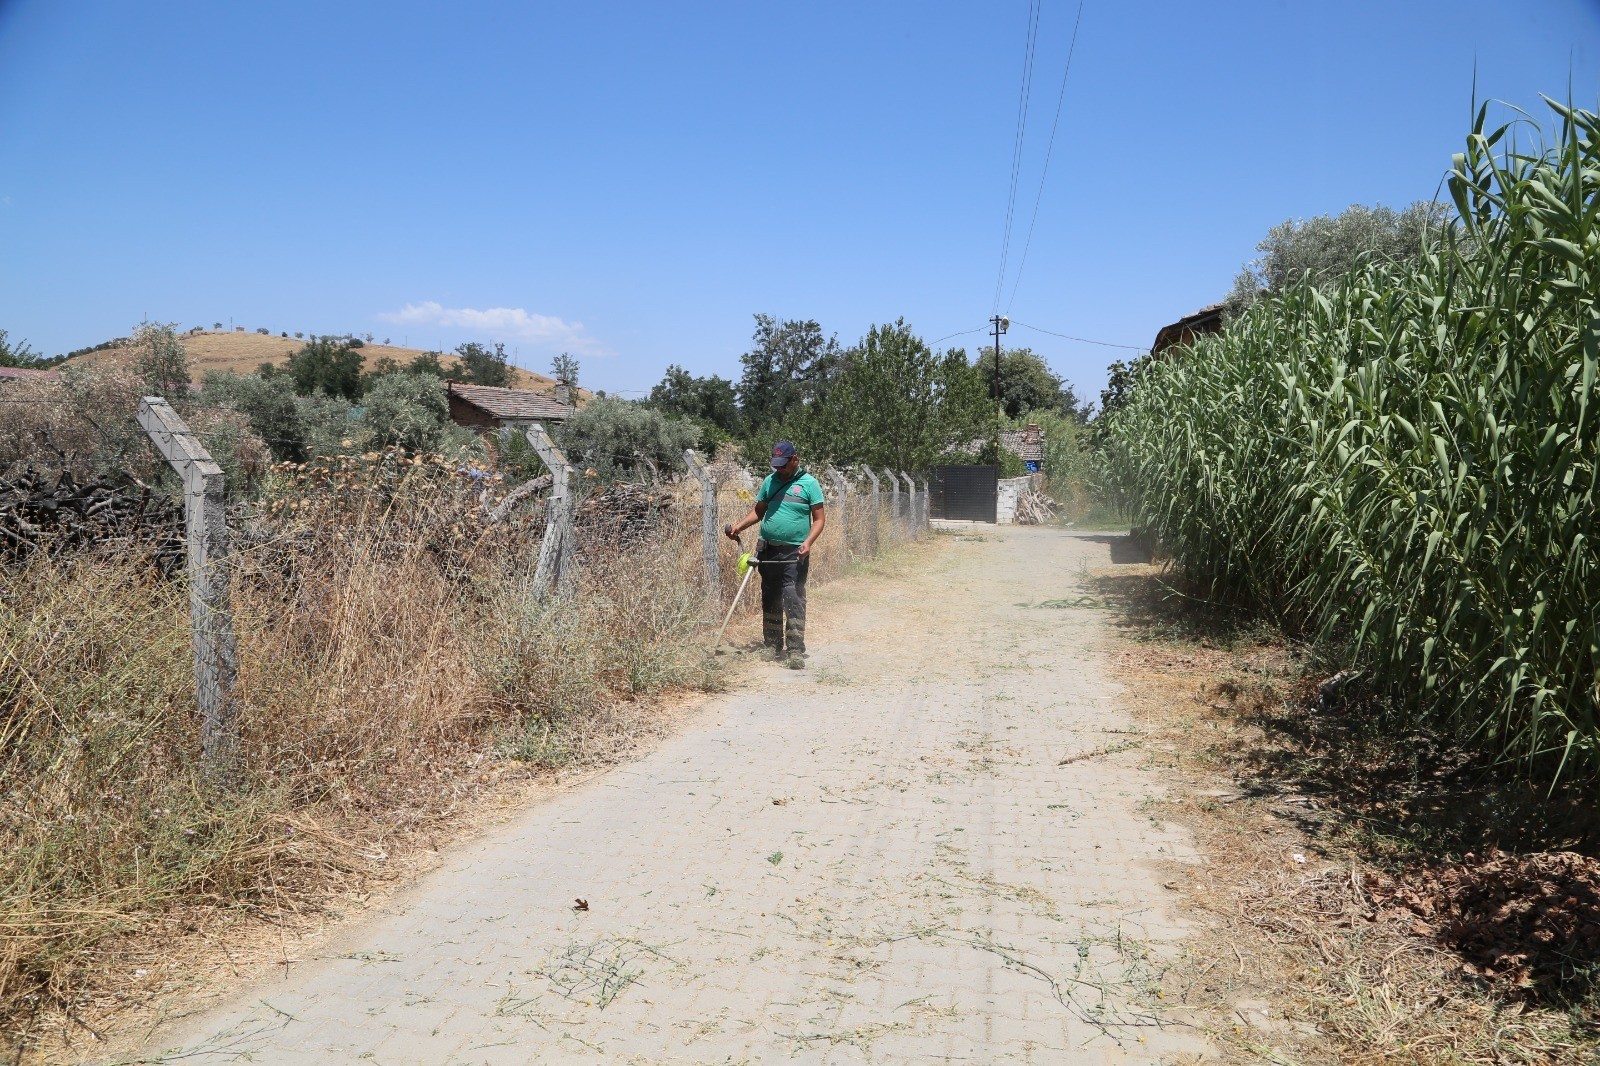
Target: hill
{"x":243,"y":353}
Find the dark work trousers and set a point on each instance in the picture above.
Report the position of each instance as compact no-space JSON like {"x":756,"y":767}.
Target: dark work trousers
{"x":783,"y":597}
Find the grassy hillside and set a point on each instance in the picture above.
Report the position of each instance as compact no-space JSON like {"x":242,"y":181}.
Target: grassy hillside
{"x":243,"y":353}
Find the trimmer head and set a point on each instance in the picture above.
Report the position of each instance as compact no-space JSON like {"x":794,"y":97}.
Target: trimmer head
{"x":744,"y":563}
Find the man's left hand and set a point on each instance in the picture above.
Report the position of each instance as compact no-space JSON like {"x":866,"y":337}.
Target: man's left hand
{"x":804,"y":550}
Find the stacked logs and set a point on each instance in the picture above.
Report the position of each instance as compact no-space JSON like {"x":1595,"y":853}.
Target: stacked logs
{"x":1034,"y":508}
{"x":621,"y":514}
{"x":38,"y":514}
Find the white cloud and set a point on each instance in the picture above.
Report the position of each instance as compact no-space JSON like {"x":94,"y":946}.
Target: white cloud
{"x":499,"y":323}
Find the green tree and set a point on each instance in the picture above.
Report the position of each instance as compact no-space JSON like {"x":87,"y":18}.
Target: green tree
{"x":270,"y":405}
{"x":613,"y":436}
{"x":1328,"y":247}
{"x":710,"y":401}
{"x":159,"y":361}
{"x":485,"y":366}
{"x":1028,"y":384}
{"x":408,"y":410}
{"x":790,"y":364}
{"x":428,"y":363}
{"x":380,"y":368}
{"x":896,"y":403}
{"x":564,"y":368}
{"x":326,"y":365}
{"x":18,"y":354}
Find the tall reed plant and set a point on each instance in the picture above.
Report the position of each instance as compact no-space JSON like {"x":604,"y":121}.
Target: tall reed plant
{"x":1404,"y":464}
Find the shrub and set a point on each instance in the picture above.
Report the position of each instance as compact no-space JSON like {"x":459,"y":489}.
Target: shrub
{"x":160,"y":362}
{"x":409,"y":411}
{"x":616,"y":437}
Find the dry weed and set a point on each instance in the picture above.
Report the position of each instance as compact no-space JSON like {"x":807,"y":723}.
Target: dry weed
{"x":1306,"y":958}
{"x":395,"y":659}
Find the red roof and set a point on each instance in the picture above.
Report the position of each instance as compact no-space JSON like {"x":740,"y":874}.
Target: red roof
{"x":17,"y":373}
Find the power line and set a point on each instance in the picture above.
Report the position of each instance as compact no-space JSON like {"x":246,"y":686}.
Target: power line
{"x":1024,"y":96}
{"x":963,"y":333}
{"x":1060,"y":96}
{"x":1084,"y":340}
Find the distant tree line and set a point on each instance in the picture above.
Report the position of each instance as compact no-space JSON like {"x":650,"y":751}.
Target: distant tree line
{"x":887,"y":400}
{"x":19,"y":355}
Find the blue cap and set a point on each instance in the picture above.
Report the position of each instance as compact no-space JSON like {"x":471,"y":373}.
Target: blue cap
{"x":782,"y":452}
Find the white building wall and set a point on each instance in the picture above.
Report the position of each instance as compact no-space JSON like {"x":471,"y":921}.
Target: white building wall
{"x":1008,"y":491}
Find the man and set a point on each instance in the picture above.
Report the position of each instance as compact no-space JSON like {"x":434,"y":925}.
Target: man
{"x":789,"y":507}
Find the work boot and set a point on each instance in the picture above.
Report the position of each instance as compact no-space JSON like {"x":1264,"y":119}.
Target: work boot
{"x":777,"y":655}
{"x":797,"y":660}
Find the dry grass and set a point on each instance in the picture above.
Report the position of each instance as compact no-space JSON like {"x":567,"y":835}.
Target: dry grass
{"x":243,"y":353}
{"x":395,"y":662}
{"x":1301,"y":961}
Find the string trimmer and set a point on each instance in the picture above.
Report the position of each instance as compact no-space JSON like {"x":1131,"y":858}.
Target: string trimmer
{"x":746,"y":566}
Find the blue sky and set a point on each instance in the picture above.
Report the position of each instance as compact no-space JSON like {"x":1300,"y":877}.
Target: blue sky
{"x":631,"y":182}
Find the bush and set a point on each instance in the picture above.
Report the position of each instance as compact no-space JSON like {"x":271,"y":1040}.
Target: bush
{"x":409,"y":411}
{"x":618,"y":438}
{"x":160,"y":362}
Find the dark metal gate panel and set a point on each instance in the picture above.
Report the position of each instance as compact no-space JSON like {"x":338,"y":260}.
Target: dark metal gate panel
{"x":966,"y":493}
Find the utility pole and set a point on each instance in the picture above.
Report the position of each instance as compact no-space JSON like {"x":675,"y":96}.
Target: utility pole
{"x":1001,"y":323}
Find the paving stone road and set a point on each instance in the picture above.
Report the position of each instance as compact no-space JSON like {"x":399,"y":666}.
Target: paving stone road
{"x":876,"y":861}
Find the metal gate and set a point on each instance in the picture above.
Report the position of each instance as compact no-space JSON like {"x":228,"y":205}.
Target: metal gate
{"x":966,"y":493}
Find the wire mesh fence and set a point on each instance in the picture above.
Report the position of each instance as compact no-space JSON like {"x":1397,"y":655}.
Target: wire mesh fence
{"x":392,"y":632}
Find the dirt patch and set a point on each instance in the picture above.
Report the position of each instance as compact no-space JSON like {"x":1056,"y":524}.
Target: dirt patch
{"x":1347,"y":920}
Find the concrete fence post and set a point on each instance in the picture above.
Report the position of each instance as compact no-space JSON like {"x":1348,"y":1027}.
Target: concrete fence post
{"x":709,"y":526}
{"x":867,"y":470}
{"x":555,"y":570}
{"x":927,"y":505}
{"x":911,"y":504}
{"x":894,"y":496}
{"x":216,"y":656}
{"x":841,"y":510}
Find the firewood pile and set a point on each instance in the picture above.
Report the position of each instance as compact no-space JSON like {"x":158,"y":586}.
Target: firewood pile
{"x":1034,"y":508}
{"x":622,"y":513}
{"x":40,"y":513}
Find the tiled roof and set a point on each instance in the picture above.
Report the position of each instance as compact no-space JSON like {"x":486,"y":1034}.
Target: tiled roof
{"x":513,"y":404}
{"x":1027,"y":445}
{"x":17,"y":373}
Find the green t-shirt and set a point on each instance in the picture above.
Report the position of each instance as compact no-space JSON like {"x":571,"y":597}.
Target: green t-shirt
{"x":788,"y":521}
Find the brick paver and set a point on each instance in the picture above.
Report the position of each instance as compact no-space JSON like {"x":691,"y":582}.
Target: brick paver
{"x":878,"y":860}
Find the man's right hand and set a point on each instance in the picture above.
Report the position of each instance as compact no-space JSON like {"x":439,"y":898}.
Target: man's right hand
{"x":728,"y":531}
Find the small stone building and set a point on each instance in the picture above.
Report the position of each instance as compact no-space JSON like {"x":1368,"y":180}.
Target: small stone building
{"x":1027,"y":444}
{"x":486,"y":408}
